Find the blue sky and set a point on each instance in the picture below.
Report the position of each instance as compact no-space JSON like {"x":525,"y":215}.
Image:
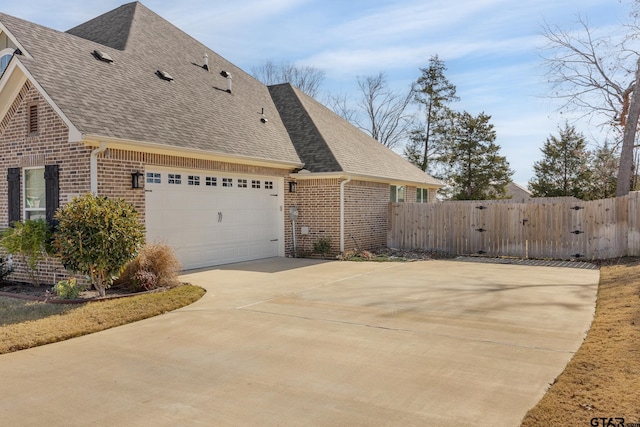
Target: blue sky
{"x":490,"y":47}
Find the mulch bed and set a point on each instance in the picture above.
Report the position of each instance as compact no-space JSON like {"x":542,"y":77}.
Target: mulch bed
{"x":45,"y":293}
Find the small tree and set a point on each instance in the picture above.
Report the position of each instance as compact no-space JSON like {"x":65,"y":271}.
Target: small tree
{"x":604,"y":169}
{"x":97,"y":236}
{"x":477,"y":170}
{"x":30,"y":241}
{"x":564,"y":168}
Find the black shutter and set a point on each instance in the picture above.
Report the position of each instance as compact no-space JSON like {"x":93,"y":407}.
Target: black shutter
{"x":52,"y":191}
{"x":13,"y":179}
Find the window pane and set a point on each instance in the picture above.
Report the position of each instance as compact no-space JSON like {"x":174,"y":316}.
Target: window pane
{"x":393,"y":196}
{"x":4,"y":61}
{"x":34,"y":193}
{"x":401,"y":194}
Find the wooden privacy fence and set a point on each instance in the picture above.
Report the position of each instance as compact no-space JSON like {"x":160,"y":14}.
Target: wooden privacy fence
{"x":564,"y":229}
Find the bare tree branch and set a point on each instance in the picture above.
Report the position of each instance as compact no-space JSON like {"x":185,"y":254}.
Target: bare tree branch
{"x":592,"y":73}
{"x":307,"y":79}
{"x":386,"y":118}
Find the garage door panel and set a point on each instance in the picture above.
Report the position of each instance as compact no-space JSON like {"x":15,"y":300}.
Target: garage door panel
{"x":210,"y":225}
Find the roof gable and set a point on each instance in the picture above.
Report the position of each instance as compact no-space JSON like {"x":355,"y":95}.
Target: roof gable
{"x":328,"y":143}
{"x":109,"y":29}
{"x":308,"y":142}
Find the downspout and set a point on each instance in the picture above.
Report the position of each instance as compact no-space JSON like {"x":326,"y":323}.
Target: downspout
{"x":342,"y":184}
{"x":94,"y":167}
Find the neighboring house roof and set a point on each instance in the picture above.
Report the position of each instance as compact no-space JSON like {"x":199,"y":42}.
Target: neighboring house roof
{"x":327,"y":143}
{"x":126,"y":100}
{"x":518,"y":192}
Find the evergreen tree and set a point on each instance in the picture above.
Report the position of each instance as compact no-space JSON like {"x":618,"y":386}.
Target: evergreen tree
{"x":604,"y":170}
{"x":433,"y":92}
{"x":477,"y":171}
{"x":564,"y":168}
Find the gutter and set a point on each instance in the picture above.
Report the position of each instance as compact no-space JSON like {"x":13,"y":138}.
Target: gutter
{"x":342,"y":184}
{"x":94,"y":167}
{"x":368,"y":178}
{"x":156,"y":148}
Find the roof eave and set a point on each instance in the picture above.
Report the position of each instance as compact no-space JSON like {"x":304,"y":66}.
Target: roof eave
{"x":4,"y":29}
{"x":155,"y":148}
{"x":362,"y":177}
{"x":16,"y":66}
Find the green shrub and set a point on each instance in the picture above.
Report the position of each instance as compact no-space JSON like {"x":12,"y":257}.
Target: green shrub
{"x":5,"y":269}
{"x":30,"y":241}
{"x":322,"y":246}
{"x":97,"y":236}
{"x":158,"y":259}
{"x":68,"y":289}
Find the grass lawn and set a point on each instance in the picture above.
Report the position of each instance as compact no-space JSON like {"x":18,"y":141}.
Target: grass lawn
{"x":25,"y":324}
{"x":602,"y":380}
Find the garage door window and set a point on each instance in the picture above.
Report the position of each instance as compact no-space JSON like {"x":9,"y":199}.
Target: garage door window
{"x":211,"y":181}
{"x":242,"y":183}
{"x":227,"y":182}
{"x":193,"y":180}
{"x":255,"y":184}
{"x":268,"y":185}
{"x":175,"y":178}
{"x":154,"y":178}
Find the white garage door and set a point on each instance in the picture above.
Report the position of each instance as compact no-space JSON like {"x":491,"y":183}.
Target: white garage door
{"x":212,"y":218}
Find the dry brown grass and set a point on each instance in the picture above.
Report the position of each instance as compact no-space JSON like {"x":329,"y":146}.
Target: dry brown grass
{"x":603,"y":378}
{"x":28,"y":324}
{"x":157,"y":258}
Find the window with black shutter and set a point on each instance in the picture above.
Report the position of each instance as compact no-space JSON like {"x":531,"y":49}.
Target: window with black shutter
{"x":52,"y":191}
{"x":13,"y":179}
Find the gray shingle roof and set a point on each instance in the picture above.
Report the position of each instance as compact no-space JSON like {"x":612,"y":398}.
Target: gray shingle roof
{"x":327,"y":143}
{"x":110,"y":29}
{"x":127,"y":100}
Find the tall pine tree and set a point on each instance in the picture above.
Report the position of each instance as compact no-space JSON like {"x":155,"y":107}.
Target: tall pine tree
{"x":477,"y":170}
{"x":433,"y":92}
{"x":564,"y":168}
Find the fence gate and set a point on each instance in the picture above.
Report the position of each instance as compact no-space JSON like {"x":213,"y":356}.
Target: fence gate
{"x":479,"y":230}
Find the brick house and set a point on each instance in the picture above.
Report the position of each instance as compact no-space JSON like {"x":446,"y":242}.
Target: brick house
{"x":127,"y":105}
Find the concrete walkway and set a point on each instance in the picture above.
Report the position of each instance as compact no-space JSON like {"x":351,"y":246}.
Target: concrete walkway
{"x":285,"y":342}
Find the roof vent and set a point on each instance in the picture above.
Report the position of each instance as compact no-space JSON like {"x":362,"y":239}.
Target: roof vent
{"x":102,"y":56}
{"x":164,"y":75}
{"x":205,"y":59}
{"x":228,"y":77}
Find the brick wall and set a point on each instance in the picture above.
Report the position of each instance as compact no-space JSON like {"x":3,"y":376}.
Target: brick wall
{"x":366,"y":210}
{"x":49,"y":146}
{"x":318,"y":203}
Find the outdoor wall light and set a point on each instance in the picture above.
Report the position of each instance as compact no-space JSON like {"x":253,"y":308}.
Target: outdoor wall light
{"x":292,"y":186}
{"x":136,"y":182}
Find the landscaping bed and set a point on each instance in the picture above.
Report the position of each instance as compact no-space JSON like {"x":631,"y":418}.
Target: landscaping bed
{"x":25,"y":324}
{"x":45,"y":293}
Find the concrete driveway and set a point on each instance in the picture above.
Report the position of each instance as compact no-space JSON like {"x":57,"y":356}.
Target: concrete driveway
{"x":286,"y":342}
